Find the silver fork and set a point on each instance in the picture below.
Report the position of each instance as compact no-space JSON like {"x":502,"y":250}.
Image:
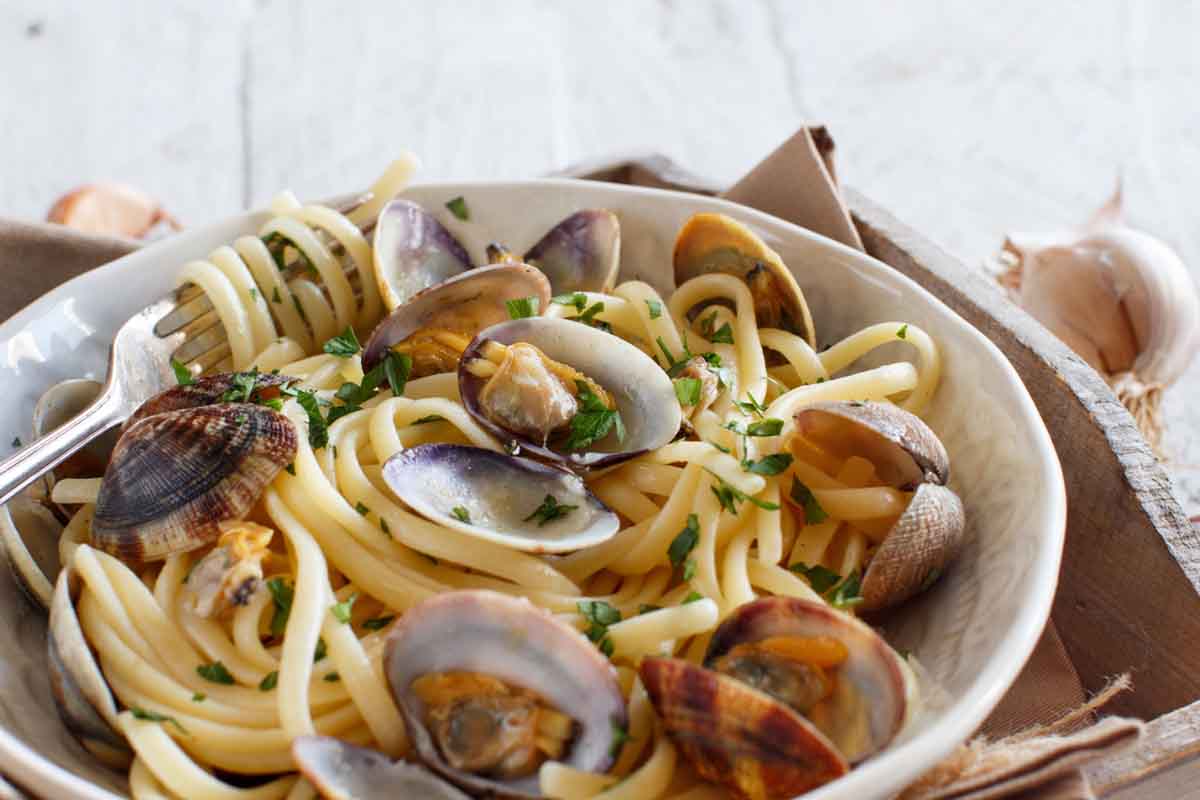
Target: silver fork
{"x":139,"y":367}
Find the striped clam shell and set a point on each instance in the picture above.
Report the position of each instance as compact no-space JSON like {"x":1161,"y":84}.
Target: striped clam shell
{"x":204,"y":392}
{"x":175,"y":476}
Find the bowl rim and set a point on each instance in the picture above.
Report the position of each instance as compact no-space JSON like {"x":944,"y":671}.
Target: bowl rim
{"x":883,"y":774}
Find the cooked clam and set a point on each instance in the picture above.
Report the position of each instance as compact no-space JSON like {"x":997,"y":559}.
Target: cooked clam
{"x":174,"y":477}
{"x":791,"y":693}
{"x":81,"y":694}
{"x":513,"y":501}
{"x":550,"y":387}
{"x":437,"y":324}
{"x":909,"y":456}
{"x":231,"y":573}
{"x":580,"y":254}
{"x":246,"y":387}
{"x":491,"y":687}
{"x":711,"y":242}
{"x":413,"y":251}
{"x":342,"y":771}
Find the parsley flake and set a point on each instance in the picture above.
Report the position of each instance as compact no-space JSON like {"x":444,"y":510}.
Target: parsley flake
{"x":593,"y":421}
{"x":154,"y":716}
{"x":378,"y":623}
{"x":685,"y":541}
{"x":183,"y":375}
{"x":199,"y":697}
{"x":619,"y":737}
{"x":577,"y":299}
{"x":270,"y":682}
{"x":341,"y":611}
{"x":320,"y":651}
{"x":689,"y":569}
{"x":283,"y":594}
{"x":729,"y":496}
{"x":768,"y":465}
{"x":458,"y":207}
{"x":522,"y":307}
{"x":275,"y":298}
{"x":646,"y":608}
{"x":687,"y":391}
{"x":803,"y":497}
{"x":344,"y":345}
{"x":820,"y":578}
{"x":428,"y":419}
{"x":361,"y":509}
{"x":691,"y":598}
{"x":549,"y":510}
{"x":215,"y":672}
{"x":655,"y":308}
{"x":461,"y":514}
{"x":318,"y":431}
{"x":848,"y":593}
{"x":903,"y":332}
{"x":397,"y":367}
{"x":332,"y":677}
{"x":770,"y":426}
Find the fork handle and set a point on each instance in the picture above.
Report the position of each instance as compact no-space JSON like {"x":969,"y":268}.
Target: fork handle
{"x":48,"y":451}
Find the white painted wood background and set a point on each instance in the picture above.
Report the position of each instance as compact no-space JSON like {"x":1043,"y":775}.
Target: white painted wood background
{"x":968,"y":120}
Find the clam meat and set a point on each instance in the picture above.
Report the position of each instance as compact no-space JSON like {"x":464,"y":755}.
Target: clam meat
{"x":512,"y":501}
{"x":231,"y":573}
{"x":492,"y":687}
{"x":791,"y":694}
{"x":906,"y":455}
{"x":567,"y":392}
{"x":436,"y":325}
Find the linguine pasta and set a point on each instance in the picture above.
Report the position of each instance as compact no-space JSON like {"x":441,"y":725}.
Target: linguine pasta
{"x":209,"y":699}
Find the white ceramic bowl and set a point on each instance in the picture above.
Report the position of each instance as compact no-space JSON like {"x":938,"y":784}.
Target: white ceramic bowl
{"x":972,"y":632}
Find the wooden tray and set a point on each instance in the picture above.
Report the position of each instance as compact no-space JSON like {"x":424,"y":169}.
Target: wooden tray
{"x":1129,"y":592}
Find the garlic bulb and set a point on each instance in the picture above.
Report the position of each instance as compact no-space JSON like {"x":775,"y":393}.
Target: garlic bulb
{"x":1118,"y":297}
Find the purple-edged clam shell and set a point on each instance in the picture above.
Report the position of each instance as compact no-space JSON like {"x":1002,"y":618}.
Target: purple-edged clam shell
{"x":581,"y":253}
{"x":878,"y":704}
{"x":413,"y":251}
{"x":343,"y":771}
{"x":510,"y":639}
{"x":467,"y":302}
{"x":643,"y":393}
{"x":498,"y":494}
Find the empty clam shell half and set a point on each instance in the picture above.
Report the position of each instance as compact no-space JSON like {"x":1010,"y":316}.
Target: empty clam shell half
{"x":174,"y":477}
{"x":582,"y":253}
{"x":642,"y":391}
{"x":342,"y":771}
{"x":512,"y":641}
{"x":711,"y":242}
{"x":81,"y":694}
{"x":497,"y":497}
{"x":869,"y":705}
{"x":466,"y":304}
{"x":413,"y":251}
{"x":904,"y":450}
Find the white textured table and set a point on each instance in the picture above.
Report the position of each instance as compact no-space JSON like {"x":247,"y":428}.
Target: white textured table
{"x":966,"y":121}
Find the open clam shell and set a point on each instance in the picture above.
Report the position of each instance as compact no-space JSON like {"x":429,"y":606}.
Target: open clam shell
{"x":342,"y":771}
{"x":736,"y":735}
{"x":510,"y":639}
{"x":83,"y":698}
{"x":174,"y":477}
{"x":710,"y":242}
{"x":870,"y":705}
{"x":413,"y":251}
{"x":643,"y":393}
{"x":582,"y":253}
{"x":494,"y":496}
{"x":466,"y":303}
{"x":908,"y":455}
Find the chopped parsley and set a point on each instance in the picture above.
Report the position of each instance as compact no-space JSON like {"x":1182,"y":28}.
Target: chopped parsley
{"x":903,"y":332}
{"x":383,"y":526}
{"x":691,"y":598}
{"x":619,"y":737}
{"x":215,"y":672}
{"x":848,"y":593}
{"x":655,"y":308}
{"x":768,"y":465}
{"x":241,"y":387}
{"x":646,"y":608}
{"x":458,"y":207}
{"x":319,"y":652}
{"x":183,"y":375}
{"x":253,"y":293}
{"x":270,"y":682}
{"x":318,"y":430}
{"x":820,"y":578}
{"x":154,"y":716}
{"x":689,"y":569}
{"x":397,"y":367}
{"x":341,"y":611}
{"x":332,"y":677}
{"x":428,"y":419}
{"x":770,"y":426}
{"x":461,"y":514}
{"x":720,"y":447}
{"x":291,"y":468}
{"x":283,"y":594}
{"x":378,"y":623}
{"x":751,"y":407}
{"x":577,"y":299}
{"x":803,"y":497}
{"x":275,"y":298}
{"x":522,"y":307}
{"x":344,"y":345}
{"x":199,"y":697}
{"x":687,"y":391}
{"x":593,"y":421}
{"x":722,"y":335}
{"x":361,"y":509}
{"x":549,"y":510}
{"x":606,"y":646}
{"x":685,"y":541}
{"x":588,"y":317}
{"x":599,"y":615}
{"x":729,"y":496}
{"x":277,"y":243}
